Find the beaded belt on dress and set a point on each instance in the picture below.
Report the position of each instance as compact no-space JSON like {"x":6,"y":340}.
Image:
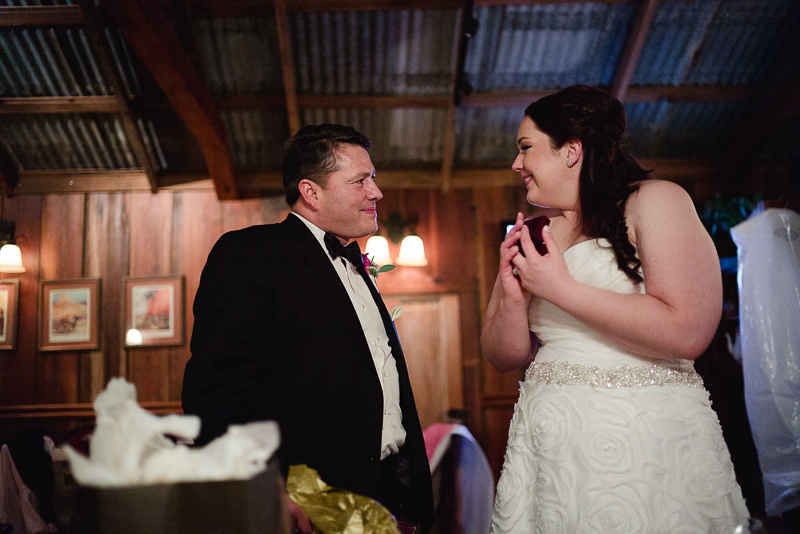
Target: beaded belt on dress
{"x":570,"y":374}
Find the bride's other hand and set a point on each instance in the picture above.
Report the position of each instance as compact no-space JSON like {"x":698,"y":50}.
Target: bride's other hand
{"x":506,"y":340}
{"x":547,"y":275}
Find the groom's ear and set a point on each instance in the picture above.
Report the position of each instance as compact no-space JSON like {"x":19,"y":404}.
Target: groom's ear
{"x":309,"y":193}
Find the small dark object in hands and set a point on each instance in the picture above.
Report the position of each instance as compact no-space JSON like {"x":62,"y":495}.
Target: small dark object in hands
{"x":535,"y":226}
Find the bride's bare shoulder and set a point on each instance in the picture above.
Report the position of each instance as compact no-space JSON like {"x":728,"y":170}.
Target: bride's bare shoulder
{"x":655,"y":202}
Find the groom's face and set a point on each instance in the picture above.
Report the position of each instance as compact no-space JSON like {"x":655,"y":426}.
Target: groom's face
{"x":348,"y":201}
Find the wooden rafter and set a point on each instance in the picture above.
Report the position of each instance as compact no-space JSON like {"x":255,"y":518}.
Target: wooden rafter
{"x":40,"y":16}
{"x":287,"y":65}
{"x":61,"y":104}
{"x":449,"y":144}
{"x":710,"y":93}
{"x":633,"y":47}
{"x":110,"y":104}
{"x":254,"y":8}
{"x":150,"y":34}
{"x":130,"y":119}
{"x":38,"y":182}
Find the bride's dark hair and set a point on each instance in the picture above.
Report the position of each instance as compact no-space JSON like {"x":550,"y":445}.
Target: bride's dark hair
{"x":609,"y":174}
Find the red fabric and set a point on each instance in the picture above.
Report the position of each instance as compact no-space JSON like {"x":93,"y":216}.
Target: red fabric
{"x":433,"y":436}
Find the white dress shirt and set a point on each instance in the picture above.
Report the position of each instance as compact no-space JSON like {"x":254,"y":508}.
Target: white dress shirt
{"x":393,"y":435}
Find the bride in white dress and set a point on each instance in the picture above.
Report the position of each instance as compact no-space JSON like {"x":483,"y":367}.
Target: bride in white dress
{"x":613,"y":430}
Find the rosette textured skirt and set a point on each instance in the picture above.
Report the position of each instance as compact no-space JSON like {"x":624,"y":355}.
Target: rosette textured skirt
{"x":582,"y":458}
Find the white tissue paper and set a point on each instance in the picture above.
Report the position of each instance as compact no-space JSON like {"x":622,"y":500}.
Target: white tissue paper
{"x":129,"y":446}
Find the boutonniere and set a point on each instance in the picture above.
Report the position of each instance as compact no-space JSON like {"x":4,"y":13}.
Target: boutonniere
{"x":396,"y":312}
{"x":372,"y":268}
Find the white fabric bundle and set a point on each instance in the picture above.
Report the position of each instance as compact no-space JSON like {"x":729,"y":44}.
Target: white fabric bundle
{"x":129,"y":446}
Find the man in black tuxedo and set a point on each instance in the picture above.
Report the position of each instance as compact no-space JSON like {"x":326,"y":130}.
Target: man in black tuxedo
{"x":288,"y":328}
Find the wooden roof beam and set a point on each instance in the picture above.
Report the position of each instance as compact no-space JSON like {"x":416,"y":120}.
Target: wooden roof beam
{"x":703,"y":93}
{"x":130,"y":119}
{"x":41,"y":182}
{"x":40,"y":16}
{"x":254,"y":8}
{"x":152,"y":37}
{"x":633,"y":48}
{"x":287,"y":65}
{"x":457,"y":69}
{"x":61,"y":104}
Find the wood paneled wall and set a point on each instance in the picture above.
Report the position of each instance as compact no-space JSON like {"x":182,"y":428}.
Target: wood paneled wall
{"x":113,"y":235}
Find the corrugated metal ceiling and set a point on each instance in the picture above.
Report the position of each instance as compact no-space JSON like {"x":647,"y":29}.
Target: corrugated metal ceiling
{"x":400,"y":53}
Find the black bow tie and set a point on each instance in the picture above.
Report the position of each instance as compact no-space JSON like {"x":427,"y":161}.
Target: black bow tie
{"x":352,"y":251}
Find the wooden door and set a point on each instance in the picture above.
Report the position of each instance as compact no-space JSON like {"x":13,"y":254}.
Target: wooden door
{"x":430,"y":334}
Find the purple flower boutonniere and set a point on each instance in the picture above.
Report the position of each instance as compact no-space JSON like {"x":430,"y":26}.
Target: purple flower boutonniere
{"x":372,"y":268}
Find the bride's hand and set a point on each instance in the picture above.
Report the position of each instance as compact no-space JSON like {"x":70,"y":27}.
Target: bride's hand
{"x":509,"y":250}
{"x":544,"y":276}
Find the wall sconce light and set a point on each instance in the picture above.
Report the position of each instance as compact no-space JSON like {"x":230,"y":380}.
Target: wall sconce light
{"x":378,"y":249}
{"x":10,"y":255}
{"x":133,"y":337}
{"x":412,"y":250}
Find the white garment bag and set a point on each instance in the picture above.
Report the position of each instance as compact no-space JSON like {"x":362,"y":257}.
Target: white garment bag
{"x":769,"y":314}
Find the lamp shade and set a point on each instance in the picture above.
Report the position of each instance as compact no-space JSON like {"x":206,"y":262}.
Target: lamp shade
{"x":412,"y":252}
{"x":11,"y":259}
{"x":133,"y":337}
{"x":378,"y":250}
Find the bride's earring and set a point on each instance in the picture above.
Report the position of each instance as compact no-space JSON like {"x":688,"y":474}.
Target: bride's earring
{"x":569,"y":161}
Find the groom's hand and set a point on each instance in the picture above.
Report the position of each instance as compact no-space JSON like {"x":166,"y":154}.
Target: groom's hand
{"x":298,"y":521}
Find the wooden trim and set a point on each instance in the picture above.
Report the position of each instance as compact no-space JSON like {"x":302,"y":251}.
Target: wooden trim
{"x":60,"y":104}
{"x":41,"y":16}
{"x":80,"y":410}
{"x":633,"y":47}
{"x":499,"y":401}
{"x":150,"y":34}
{"x":130,"y":119}
{"x":84,"y":181}
{"x":287,"y":65}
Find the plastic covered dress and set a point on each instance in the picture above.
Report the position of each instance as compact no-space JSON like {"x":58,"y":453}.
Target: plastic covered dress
{"x":769,"y":314}
{"x":605,"y":440}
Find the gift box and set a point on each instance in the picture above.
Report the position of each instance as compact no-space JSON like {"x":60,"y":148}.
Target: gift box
{"x":231,"y":506}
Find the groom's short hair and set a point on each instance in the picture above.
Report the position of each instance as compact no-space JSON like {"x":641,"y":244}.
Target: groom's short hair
{"x":311,"y":154}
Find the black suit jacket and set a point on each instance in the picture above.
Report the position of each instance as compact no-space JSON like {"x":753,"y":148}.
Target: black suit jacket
{"x":276,"y":337}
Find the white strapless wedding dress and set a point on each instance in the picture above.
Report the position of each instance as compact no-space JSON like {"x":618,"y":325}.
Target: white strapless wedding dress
{"x":607,"y":441}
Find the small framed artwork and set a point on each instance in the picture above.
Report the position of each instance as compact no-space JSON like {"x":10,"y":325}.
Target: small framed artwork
{"x":154,"y":311}
{"x":69,"y":317}
{"x":9,"y":308}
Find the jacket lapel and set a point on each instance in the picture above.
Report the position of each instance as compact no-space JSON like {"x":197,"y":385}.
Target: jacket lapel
{"x":319,"y":262}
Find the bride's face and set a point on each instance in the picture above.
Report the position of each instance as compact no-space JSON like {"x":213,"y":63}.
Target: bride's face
{"x":549,"y":179}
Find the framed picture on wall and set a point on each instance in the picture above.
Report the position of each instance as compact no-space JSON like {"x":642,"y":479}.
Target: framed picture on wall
{"x":9,"y":308}
{"x":154,"y":311}
{"x":69,"y":315}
